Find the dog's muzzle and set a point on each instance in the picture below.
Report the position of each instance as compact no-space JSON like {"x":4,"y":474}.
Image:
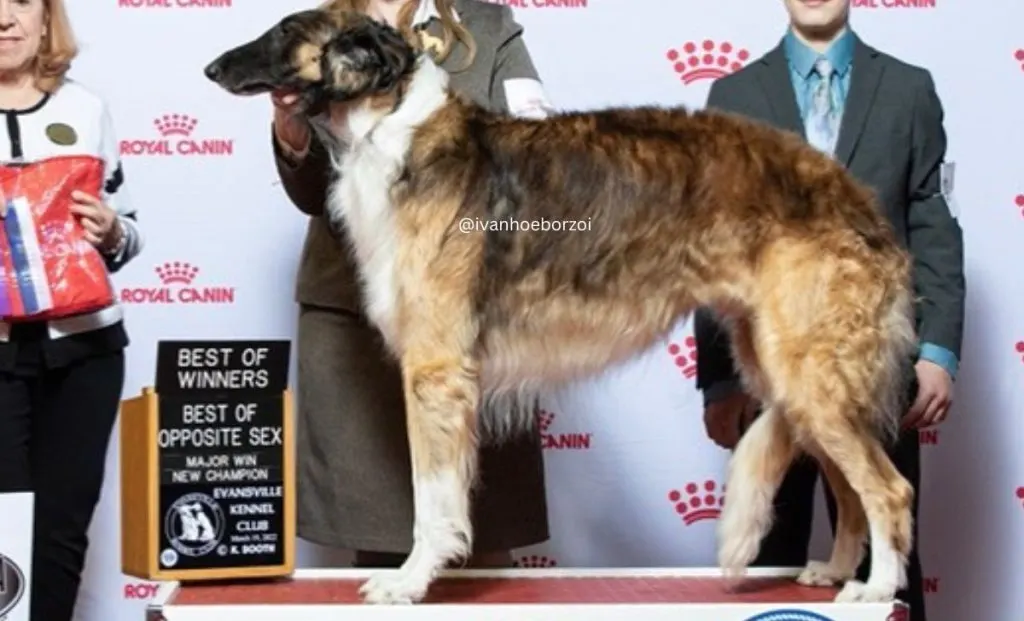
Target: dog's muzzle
{"x":213,"y":71}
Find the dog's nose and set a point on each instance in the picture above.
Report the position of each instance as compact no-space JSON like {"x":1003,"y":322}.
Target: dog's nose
{"x":213,"y":71}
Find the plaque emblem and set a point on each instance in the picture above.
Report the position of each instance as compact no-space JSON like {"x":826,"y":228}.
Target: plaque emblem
{"x":194,"y":525}
{"x":62,"y":134}
{"x":12,"y":585}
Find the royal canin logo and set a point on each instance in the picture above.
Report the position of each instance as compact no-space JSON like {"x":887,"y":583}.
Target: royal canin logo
{"x":1019,"y":346}
{"x":140,"y":590}
{"x":1019,"y":199}
{"x":894,"y":4}
{"x":1020,"y":495}
{"x":706,"y":61}
{"x":560,"y":441}
{"x":176,"y":279}
{"x":175,"y":138}
{"x":695,"y":503}
{"x":174,"y":4}
{"x":685,"y":356}
{"x":928,"y":437}
{"x":1019,"y":56}
{"x":541,"y":4}
{"x":534,"y":560}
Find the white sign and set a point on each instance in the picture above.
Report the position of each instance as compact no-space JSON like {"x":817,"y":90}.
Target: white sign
{"x":15,"y":555}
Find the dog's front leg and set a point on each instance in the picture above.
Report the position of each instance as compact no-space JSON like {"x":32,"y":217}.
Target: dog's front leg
{"x":441,"y":394}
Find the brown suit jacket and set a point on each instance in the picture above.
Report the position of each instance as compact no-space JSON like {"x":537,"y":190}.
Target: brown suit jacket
{"x":327,"y":273}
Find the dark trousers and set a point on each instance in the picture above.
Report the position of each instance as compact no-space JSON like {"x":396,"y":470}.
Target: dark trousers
{"x":55,"y":426}
{"x":786,"y":543}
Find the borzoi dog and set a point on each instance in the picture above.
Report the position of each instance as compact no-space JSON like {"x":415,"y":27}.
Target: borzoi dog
{"x":686,"y":209}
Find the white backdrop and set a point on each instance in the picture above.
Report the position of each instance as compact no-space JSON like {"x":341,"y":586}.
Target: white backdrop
{"x":610,"y":489}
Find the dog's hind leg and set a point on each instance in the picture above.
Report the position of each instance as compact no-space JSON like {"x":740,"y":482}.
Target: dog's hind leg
{"x":830,"y":410}
{"x":756,"y":470}
{"x":851,"y":531}
{"x":886,"y":497}
{"x":833,"y":327}
{"x":442,"y":396}
{"x":757,"y":466}
{"x":828,"y":419}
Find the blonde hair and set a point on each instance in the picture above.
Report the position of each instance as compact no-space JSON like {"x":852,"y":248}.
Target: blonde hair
{"x":451,"y":29}
{"x":57,"y":48}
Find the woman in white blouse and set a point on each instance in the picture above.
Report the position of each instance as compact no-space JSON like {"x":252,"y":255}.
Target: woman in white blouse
{"x":60,"y":380}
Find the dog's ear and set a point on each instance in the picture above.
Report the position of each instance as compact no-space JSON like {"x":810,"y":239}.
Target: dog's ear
{"x":365,"y":58}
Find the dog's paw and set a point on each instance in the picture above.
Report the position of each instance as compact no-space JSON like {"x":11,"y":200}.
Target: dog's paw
{"x":817,"y":573}
{"x":394,"y":587}
{"x":739,"y":539}
{"x":857,"y":591}
{"x":735,"y":554}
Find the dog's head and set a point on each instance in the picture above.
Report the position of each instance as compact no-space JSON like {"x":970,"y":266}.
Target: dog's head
{"x":321,"y":55}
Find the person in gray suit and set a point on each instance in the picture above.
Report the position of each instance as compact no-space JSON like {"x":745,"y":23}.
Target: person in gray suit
{"x":354,"y":472}
{"x":882,"y":118}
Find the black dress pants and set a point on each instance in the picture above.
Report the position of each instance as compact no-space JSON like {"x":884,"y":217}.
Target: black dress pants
{"x":55,"y":427}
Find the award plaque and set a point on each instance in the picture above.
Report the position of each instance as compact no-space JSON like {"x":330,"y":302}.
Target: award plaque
{"x":207,"y":464}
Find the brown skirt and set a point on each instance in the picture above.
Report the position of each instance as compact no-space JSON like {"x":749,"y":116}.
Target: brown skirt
{"x":354,"y":475}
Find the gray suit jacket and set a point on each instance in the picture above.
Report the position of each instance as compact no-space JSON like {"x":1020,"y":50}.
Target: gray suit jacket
{"x":327,"y":273}
{"x":892,"y":139}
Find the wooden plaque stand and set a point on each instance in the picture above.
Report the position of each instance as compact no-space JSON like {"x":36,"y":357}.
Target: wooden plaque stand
{"x":143,"y":520}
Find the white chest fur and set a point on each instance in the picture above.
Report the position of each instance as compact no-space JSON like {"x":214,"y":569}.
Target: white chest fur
{"x":362,"y":198}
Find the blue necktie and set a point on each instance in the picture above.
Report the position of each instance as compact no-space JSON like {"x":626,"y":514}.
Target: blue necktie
{"x":822,"y":123}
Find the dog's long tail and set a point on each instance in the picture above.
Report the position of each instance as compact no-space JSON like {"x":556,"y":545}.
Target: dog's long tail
{"x":881,"y":326}
{"x":889,"y":388}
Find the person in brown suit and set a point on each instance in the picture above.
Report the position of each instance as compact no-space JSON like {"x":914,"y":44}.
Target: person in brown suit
{"x":354,"y":473}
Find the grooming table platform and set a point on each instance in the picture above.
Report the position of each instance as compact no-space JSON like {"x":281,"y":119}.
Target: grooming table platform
{"x":523,"y":594}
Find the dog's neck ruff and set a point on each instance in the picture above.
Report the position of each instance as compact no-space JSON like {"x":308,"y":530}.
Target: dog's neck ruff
{"x":425,"y":93}
{"x":360,"y":198}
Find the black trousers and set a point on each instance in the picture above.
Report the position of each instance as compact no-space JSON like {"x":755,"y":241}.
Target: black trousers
{"x":787,"y":542}
{"x":55,"y":427}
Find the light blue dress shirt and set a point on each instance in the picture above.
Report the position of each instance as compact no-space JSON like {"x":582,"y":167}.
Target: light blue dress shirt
{"x":801,"y":70}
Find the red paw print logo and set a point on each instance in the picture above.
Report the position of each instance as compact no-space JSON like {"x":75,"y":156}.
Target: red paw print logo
{"x":696,"y":503}
{"x":685,"y":356}
{"x":534,"y":560}
{"x":1020,"y":495}
{"x":1019,"y":201}
{"x":1019,"y":55}
{"x":706,"y":60}
{"x":1020,"y":349}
